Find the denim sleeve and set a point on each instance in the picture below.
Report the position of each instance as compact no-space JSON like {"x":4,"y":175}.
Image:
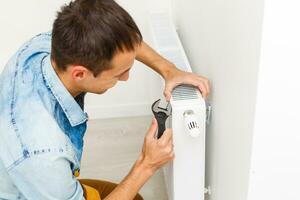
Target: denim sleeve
{"x":46,"y":177}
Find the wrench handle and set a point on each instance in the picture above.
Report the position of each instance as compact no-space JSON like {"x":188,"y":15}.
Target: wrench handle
{"x":161,"y":118}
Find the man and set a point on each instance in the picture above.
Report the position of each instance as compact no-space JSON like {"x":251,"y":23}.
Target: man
{"x":92,"y":46}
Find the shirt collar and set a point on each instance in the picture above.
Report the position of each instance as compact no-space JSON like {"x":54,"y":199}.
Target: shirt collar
{"x":67,"y":102}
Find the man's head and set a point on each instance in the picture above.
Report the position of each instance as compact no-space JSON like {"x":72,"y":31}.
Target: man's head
{"x":94,"y":44}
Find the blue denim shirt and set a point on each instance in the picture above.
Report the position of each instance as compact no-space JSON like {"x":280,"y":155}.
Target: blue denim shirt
{"x":41,"y":128}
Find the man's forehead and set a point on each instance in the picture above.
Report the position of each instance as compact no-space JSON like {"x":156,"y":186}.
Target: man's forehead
{"x":123,"y":59}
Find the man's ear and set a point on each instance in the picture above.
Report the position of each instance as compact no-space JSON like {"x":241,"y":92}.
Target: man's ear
{"x":79,"y":72}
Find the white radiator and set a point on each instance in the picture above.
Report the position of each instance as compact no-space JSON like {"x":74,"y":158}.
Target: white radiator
{"x":184,"y":177}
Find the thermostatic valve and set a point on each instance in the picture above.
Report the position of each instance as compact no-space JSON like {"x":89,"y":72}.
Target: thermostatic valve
{"x":191,"y":123}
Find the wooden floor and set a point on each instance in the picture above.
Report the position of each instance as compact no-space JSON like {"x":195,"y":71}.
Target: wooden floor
{"x":112,"y":146}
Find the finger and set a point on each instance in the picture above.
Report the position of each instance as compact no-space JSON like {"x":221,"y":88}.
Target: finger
{"x":202,"y":88}
{"x":166,"y":136}
{"x":172,"y":155}
{"x":199,"y":83}
{"x":206,"y":84}
{"x":169,"y":146}
{"x":167,"y":95}
{"x":152,"y":130}
{"x":170,"y":140}
{"x":168,"y":90}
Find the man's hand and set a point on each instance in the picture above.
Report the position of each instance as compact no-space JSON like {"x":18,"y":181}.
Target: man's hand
{"x":157,"y":152}
{"x":176,"y":77}
{"x":170,"y":73}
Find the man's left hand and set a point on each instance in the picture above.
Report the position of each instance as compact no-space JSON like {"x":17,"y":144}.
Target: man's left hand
{"x":177,"y":77}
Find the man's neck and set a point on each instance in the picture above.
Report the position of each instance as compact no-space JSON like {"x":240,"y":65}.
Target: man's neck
{"x":65,"y":80}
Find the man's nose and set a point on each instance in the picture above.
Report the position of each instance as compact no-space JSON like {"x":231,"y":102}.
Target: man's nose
{"x":124,"y":77}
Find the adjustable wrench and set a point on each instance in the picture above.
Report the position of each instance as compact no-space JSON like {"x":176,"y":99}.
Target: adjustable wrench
{"x":161,"y":115}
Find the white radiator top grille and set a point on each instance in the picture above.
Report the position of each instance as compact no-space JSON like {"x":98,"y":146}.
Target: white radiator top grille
{"x":184,"y":92}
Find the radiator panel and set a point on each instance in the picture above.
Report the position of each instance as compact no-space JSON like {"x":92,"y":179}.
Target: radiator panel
{"x":184,"y":176}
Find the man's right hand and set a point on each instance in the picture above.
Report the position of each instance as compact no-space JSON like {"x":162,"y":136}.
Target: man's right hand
{"x":157,"y":152}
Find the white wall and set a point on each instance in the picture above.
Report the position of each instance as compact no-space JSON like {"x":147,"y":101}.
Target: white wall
{"x":222,"y":41}
{"x":275,"y":167}
{"x":21,"y":21}
{"x":24,"y":19}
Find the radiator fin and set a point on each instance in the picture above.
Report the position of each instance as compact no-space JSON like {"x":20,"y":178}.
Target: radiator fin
{"x":184,"y":92}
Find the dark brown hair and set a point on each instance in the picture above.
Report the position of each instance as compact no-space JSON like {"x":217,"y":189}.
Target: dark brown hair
{"x":90,"y":32}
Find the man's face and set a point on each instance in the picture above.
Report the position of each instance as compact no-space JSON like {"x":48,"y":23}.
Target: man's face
{"x":119,"y":71}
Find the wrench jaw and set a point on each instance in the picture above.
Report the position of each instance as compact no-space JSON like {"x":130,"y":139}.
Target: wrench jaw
{"x":156,"y":108}
{"x":169,"y":109}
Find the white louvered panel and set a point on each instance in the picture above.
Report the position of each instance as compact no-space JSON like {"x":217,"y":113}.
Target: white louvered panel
{"x":184,"y":92}
{"x":186,"y":174}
